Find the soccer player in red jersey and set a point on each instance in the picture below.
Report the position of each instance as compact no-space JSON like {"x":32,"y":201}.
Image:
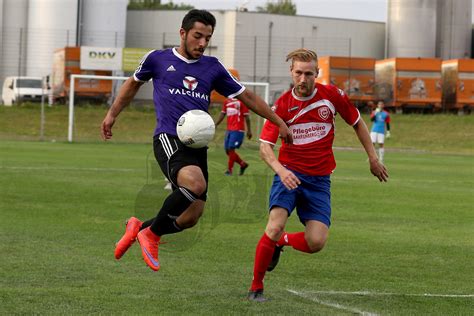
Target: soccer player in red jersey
{"x":237,"y":118}
{"x":303,"y":169}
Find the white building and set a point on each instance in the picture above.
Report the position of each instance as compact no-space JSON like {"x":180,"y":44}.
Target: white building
{"x":256,"y":44}
{"x":253,"y":43}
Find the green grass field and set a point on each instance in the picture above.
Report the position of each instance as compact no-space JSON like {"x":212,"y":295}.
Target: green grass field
{"x":441,"y":133}
{"x":400,"y":248}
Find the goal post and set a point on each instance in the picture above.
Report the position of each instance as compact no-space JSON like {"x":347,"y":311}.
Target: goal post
{"x":262,"y":87}
{"x":265,"y":95}
{"x":71,"y":97}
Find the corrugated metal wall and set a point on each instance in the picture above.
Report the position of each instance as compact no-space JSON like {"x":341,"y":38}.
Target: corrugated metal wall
{"x":257,"y":44}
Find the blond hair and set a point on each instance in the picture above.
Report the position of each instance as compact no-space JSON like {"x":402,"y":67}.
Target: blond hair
{"x":302,"y":54}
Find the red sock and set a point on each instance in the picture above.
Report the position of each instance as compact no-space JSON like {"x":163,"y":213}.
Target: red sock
{"x":230,"y":162}
{"x":263,"y":257}
{"x":237,"y":158}
{"x":296,"y":240}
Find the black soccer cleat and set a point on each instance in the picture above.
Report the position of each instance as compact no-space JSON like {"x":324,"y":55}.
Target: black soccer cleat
{"x":275,"y":258}
{"x":256,"y":296}
{"x":242,"y":169}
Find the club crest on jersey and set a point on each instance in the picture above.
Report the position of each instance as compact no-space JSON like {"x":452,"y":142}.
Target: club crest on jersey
{"x":323,"y":112}
{"x":190,"y":83}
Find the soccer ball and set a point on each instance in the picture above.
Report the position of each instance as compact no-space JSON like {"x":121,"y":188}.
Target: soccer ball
{"x":195,"y":128}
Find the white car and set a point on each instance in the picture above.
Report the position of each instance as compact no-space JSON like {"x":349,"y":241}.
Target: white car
{"x":21,"y":89}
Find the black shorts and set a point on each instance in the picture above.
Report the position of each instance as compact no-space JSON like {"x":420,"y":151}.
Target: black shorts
{"x":172,"y":155}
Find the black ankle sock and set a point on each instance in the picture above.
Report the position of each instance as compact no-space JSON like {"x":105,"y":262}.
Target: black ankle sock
{"x":166,"y":226}
{"x":147,"y":223}
{"x":174,"y":205}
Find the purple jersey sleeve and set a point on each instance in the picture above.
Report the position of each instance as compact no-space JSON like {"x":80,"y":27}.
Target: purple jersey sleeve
{"x":227,"y":85}
{"x":144,"y":71}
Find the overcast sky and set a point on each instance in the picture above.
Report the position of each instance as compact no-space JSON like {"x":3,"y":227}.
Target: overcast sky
{"x":370,"y":10}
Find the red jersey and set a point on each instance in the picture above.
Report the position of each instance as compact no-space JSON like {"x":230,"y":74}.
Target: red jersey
{"x":311,"y":120}
{"x":235,"y":111}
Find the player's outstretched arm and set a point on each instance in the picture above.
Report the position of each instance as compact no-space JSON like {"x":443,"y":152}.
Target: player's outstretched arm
{"x":126,"y":93}
{"x":256,"y":104}
{"x":220,"y":118}
{"x":249,"y":128}
{"x":288,"y":178}
{"x":376,"y":167}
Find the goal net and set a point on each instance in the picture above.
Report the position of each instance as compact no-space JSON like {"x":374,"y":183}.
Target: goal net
{"x":138,"y":124}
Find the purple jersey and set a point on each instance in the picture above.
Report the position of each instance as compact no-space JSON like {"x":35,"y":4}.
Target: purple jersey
{"x":181,"y":84}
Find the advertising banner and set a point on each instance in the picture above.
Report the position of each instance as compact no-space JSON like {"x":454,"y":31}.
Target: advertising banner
{"x":101,"y":58}
{"x":132,"y":57}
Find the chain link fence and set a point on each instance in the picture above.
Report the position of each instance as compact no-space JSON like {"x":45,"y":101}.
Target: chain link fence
{"x":256,"y":58}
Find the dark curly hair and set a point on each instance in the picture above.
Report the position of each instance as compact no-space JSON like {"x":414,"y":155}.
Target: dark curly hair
{"x":196,"y":15}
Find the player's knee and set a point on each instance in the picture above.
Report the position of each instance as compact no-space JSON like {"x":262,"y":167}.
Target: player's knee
{"x":193,"y":181}
{"x":316,"y":244}
{"x":275,"y":230}
{"x":198,"y":187}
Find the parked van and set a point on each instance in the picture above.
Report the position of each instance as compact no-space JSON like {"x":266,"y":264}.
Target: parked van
{"x":21,"y":89}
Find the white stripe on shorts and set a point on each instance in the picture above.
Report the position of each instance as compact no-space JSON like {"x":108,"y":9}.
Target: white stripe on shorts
{"x":165,"y":142}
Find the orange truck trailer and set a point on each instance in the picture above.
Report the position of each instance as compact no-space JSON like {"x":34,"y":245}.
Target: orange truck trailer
{"x":409,"y":83}
{"x":458,"y":84}
{"x":218,"y":99}
{"x":354,"y":75}
{"x":66,"y":61}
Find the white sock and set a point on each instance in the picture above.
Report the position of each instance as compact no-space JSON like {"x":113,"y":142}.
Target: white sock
{"x":381,"y":153}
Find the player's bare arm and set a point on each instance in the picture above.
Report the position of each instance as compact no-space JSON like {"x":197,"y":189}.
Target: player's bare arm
{"x":249,"y":128}
{"x":256,"y":104}
{"x":287,"y":177}
{"x":376,"y":167}
{"x":128,"y":90}
{"x":220,"y":119}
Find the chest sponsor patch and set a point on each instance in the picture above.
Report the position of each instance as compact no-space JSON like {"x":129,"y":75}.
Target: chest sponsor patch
{"x":323,"y":112}
{"x":232,"y":111}
{"x":309,"y":132}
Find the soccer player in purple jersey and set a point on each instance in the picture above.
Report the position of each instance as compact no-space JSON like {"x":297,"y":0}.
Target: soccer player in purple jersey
{"x":183,"y":79}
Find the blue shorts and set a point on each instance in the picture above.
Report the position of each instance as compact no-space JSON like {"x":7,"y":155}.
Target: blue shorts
{"x":312,"y":198}
{"x":233,"y":139}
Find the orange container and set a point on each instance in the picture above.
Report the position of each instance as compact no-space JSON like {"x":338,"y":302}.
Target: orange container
{"x":409,"y":82}
{"x":354,"y":75}
{"x":66,"y":61}
{"x":458,"y":84}
{"x":218,"y":99}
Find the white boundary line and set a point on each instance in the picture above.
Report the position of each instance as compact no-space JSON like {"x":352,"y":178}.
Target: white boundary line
{"x":404,"y":180}
{"x":310,"y":295}
{"x":367,"y":293}
{"x":71,"y":169}
{"x":334,"y":305}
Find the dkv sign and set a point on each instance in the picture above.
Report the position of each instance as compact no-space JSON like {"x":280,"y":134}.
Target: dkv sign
{"x":101,"y":58}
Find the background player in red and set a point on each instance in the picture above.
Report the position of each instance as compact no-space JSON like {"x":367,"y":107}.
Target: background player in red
{"x":303,"y":169}
{"x":238,"y":117}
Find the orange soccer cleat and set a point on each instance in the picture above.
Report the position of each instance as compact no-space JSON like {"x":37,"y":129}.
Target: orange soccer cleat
{"x":132,"y":227}
{"x":149,"y":243}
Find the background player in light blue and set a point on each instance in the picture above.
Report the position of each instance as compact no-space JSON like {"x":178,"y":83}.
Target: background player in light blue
{"x":380,"y":118}
{"x":183,"y":79}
